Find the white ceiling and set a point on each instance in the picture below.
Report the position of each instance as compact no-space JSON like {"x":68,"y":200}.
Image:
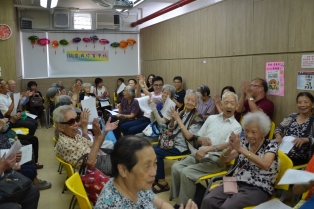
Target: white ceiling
{"x":85,"y":4}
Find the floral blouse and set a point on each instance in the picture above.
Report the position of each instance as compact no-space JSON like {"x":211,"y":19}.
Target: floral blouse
{"x":111,"y":198}
{"x":253,"y":175}
{"x":71,"y":150}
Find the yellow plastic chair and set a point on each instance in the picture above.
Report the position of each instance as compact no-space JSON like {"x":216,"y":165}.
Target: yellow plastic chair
{"x":272,"y":130}
{"x":68,"y":168}
{"x":285,"y":164}
{"x":75,"y":185}
{"x":24,"y":130}
{"x":177,"y":157}
{"x":219,"y":174}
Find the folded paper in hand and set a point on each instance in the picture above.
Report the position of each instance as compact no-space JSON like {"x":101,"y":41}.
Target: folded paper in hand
{"x":292,"y":176}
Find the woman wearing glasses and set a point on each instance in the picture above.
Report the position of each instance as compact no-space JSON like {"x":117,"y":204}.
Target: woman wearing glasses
{"x":138,"y":125}
{"x":72,"y":146}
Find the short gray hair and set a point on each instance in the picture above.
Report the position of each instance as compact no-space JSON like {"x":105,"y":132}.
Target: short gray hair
{"x":84,"y":85}
{"x":191,"y":91}
{"x":59,"y":113}
{"x":171,"y":89}
{"x":229,"y":93}
{"x":63,"y":100}
{"x":52,"y":92}
{"x":259,"y":118}
{"x":130,"y":90}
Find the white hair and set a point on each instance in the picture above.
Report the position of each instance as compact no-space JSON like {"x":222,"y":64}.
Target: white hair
{"x":85,"y":85}
{"x":191,"y":91}
{"x":59,"y":113}
{"x":259,"y":118}
{"x":229,"y":93}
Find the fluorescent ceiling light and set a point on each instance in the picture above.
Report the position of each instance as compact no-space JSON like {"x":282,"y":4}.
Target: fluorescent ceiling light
{"x":48,"y":3}
{"x":137,"y":2}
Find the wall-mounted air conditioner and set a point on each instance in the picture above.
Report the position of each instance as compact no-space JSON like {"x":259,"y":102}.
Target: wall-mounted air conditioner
{"x":107,"y":21}
{"x":61,"y":19}
{"x":26,"y":23}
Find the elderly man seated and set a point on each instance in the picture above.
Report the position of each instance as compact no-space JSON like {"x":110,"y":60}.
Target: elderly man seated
{"x":213,"y":136}
{"x":71,"y":146}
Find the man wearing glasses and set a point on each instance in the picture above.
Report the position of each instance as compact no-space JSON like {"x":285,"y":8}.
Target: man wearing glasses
{"x":254,"y":98}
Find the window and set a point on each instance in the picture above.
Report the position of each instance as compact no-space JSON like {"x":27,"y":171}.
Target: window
{"x":82,"y":21}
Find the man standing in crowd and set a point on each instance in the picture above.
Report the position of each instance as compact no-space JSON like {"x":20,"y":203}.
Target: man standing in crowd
{"x":180,"y":93}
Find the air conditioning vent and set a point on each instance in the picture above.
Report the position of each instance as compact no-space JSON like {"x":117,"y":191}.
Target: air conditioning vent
{"x":26,"y":23}
{"x":61,"y":19}
{"x":107,"y":21}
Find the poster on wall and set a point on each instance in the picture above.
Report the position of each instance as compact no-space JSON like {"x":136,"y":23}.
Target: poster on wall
{"x":87,"y":56}
{"x":305,"y":80}
{"x":307,"y":61}
{"x":275,"y":78}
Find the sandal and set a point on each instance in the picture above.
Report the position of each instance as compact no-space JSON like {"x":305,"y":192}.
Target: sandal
{"x":162,"y":188}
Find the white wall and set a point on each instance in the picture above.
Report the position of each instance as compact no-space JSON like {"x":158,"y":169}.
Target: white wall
{"x":46,"y":61}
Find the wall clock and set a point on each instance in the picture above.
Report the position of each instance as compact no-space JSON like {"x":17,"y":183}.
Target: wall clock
{"x":5,"y":32}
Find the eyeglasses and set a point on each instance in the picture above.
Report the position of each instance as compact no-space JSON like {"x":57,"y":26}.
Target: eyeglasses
{"x":72,"y":121}
{"x":158,"y":85}
{"x":254,"y":85}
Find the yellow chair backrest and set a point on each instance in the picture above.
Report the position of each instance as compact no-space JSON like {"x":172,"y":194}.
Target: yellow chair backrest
{"x":272,"y":130}
{"x":115,"y":98}
{"x":68,"y":167}
{"x":285,"y":163}
{"x":75,"y":185}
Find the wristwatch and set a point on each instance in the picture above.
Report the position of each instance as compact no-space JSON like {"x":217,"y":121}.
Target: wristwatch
{"x":251,"y":99}
{"x":215,"y":148}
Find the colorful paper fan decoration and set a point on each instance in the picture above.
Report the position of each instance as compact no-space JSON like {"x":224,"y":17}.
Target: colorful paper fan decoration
{"x":33,"y":39}
{"x":86,"y":40}
{"x":55,"y":45}
{"x":76,"y":40}
{"x":104,"y":41}
{"x":63,"y":42}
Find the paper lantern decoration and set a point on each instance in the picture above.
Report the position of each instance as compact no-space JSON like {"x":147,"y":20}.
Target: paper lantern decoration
{"x":131,"y":41}
{"x":33,"y":39}
{"x":104,"y":42}
{"x":63,"y":42}
{"x":123,"y":44}
{"x":115,"y":44}
{"x":86,"y":40}
{"x":43,"y":41}
{"x":76,"y":40}
{"x":55,"y":45}
{"x":94,"y":39}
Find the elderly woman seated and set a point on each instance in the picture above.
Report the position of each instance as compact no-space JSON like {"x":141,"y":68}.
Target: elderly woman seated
{"x":133,"y":169}
{"x":129,"y":109}
{"x":83,"y":130}
{"x":86,"y":87}
{"x":156,"y":116}
{"x":206,"y":105}
{"x":300,"y":127}
{"x":183,"y":126}
{"x":256,"y":169}
{"x":71,"y":146}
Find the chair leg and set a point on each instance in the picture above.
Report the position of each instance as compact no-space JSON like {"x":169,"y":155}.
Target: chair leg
{"x":60,"y":168}
{"x":64,"y":187}
{"x":72,"y":199}
{"x":75,"y":201}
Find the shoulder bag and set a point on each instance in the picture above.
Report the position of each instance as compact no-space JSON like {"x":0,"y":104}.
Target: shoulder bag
{"x":167,"y":138}
{"x":14,"y":186}
{"x":36,"y":101}
{"x":93,"y":180}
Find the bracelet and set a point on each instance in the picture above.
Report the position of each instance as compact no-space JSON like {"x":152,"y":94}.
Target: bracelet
{"x":223,"y":154}
{"x":181,"y":127}
{"x":249,"y":155}
{"x":170,"y":127}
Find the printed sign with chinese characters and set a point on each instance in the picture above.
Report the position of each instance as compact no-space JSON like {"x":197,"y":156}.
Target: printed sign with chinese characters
{"x":275,"y":78}
{"x":307,"y":61}
{"x":87,"y":56}
{"x":305,"y":80}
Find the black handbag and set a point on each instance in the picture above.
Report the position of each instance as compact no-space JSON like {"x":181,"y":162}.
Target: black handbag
{"x":36,"y":101}
{"x":14,"y":186}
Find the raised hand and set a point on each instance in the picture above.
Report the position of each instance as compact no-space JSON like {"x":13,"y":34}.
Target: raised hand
{"x":111,"y":126}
